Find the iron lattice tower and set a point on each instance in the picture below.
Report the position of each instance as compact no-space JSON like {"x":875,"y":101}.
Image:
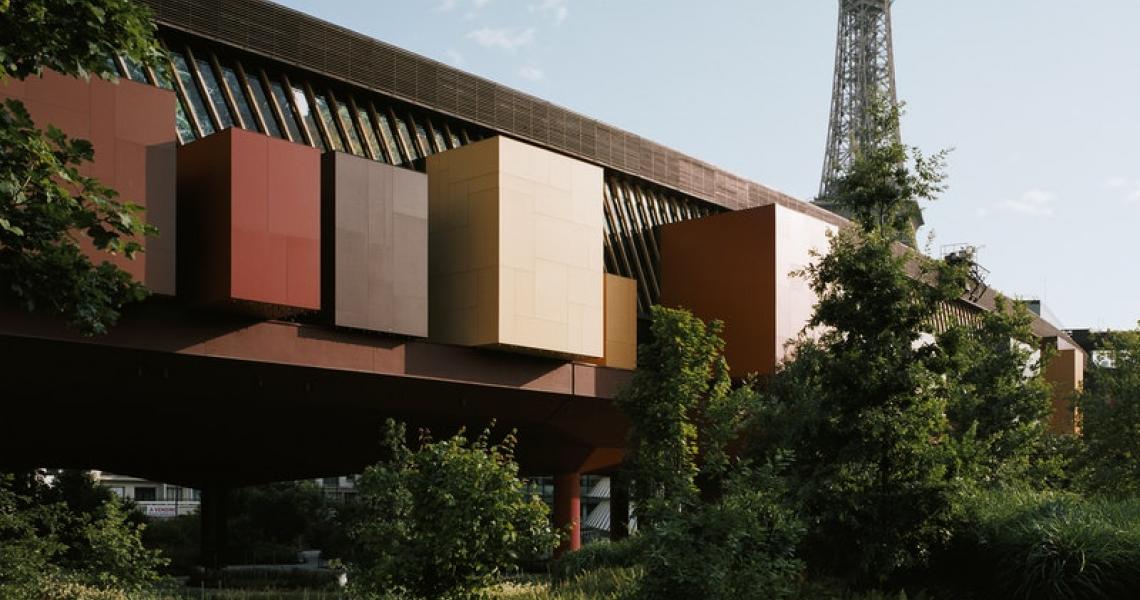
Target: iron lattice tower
{"x":864,"y":73}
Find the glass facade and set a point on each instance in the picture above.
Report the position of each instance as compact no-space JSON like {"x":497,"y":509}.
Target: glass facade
{"x":214,"y":92}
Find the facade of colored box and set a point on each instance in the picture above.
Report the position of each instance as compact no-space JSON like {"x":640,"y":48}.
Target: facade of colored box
{"x":621,"y":323}
{"x":249,"y":220}
{"x":739,"y":268}
{"x":131,"y":127}
{"x":375,"y":245}
{"x":515,"y":240}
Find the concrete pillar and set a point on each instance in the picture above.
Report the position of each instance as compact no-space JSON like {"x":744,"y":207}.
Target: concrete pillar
{"x":213,"y":513}
{"x":568,"y":510}
{"x":619,"y":505}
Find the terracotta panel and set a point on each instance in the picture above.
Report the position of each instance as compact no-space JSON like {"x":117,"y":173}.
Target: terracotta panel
{"x":252,"y":215}
{"x":621,"y":323}
{"x":723,"y":267}
{"x":1065,"y":372}
{"x":376,"y":246}
{"x":131,"y":127}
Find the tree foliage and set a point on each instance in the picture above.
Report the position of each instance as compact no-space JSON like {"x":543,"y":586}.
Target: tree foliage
{"x":69,"y":531}
{"x":441,"y":520}
{"x":881,"y":188}
{"x":863,"y":405}
{"x":46,"y":205}
{"x":1110,"y":407}
{"x":713,"y":523}
{"x":999,"y":398}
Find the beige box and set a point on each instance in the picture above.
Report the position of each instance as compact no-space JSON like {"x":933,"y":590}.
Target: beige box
{"x":515,"y":249}
{"x":621,"y":323}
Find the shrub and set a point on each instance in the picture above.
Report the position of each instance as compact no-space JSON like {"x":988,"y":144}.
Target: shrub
{"x":1048,"y":545}
{"x":443,"y":520}
{"x":1111,"y":409}
{"x":743,"y":546}
{"x":598,"y":555}
{"x":69,"y":535}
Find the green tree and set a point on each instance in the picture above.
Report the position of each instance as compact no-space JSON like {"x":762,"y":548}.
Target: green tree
{"x":46,"y":205}
{"x":863,"y":405}
{"x":999,"y":398}
{"x":881,"y":188}
{"x":443,"y":519}
{"x":51,"y":533}
{"x":1110,"y":408}
{"x":713,"y":523}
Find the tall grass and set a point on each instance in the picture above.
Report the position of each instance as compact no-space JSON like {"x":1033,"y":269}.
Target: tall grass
{"x":1048,"y":545}
{"x":598,"y":584}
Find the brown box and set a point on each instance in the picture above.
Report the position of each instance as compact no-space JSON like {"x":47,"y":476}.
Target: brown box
{"x":375,"y":228}
{"x":737,"y":267}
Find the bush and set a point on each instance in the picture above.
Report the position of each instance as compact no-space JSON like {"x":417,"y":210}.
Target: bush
{"x":178,"y":539}
{"x":443,"y":520}
{"x":1047,"y":545}
{"x":69,"y":533}
{"x":598,"y":555}
{"x":742,"y":547}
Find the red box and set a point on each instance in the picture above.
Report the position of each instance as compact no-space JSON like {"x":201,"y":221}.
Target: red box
{"x":249,"y":222}
{"x":131,"y":126}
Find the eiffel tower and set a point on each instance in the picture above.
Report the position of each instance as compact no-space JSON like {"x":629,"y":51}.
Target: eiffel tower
{"x":864,"y":74}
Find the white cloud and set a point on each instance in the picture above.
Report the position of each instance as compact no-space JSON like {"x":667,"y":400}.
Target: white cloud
{"x":1035,"y":203}
{"x":447,"y":5}
{"x":1131,"y":188}
{"x":532,"y":73}
{"x":454,"y":57}
{"x":481,"y":3}
{"x":555,"y":9}
{"x":507,"y":39}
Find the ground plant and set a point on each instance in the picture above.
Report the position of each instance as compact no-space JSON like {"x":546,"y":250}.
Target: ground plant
{"x":444,"y":519}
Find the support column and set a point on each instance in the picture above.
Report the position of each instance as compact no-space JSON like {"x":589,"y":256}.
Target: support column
{"x":213,"y":512}
{"x":619,"y":505}
{"x":568,"y":510}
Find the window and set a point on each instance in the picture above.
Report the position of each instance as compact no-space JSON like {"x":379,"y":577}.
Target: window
{"x":455,"y":143}
{"x":349,"y":128}
{"x":422,"y":136}
{"x":146,"y":494}
{"x":331,"y":482}
{"x":135,"y":71}
{"x":214,"y":91}
{"x":406,"y":139}
{"x":287,"y":113}
{"x":264,"y":106}
{"x":237,"y":90}
{"x":306,"y":112}
{"x":327,"y":121}
{"x":118,"y":490}
{"x":369,"y":131}
{"x":437,"y":135}
{"x":389,"y":139}
{"x":197,"y":105}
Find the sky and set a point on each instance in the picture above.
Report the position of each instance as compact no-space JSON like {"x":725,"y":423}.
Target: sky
{"x":1039,"y":101}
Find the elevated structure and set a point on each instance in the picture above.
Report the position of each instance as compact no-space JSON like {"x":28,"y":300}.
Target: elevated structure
{"x":355,"y":233}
